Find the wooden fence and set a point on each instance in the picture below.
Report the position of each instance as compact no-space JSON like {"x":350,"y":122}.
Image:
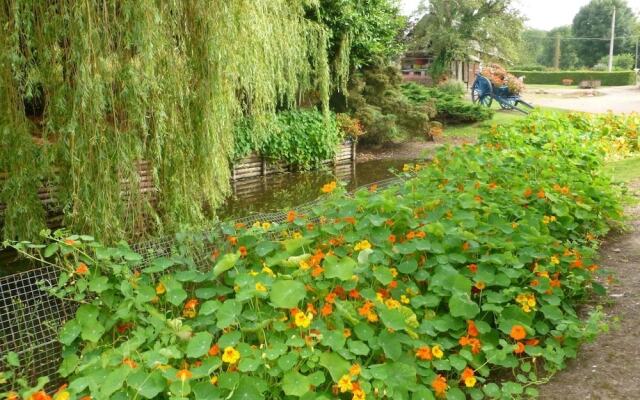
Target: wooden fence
{"x":255,"y":165}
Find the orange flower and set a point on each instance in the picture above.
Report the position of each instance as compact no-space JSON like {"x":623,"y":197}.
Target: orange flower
{"x":493,"y":185}
{"x":69,"y":242}
{"x":240,"y":225}
{"x":317,"y":271}
{"x":130,"y":363}
{"x":534,"y":283}
{"x":373,"y":188}
{"x":528,"y":192}
{"x":191,"y":304}
{"x":480,"y":285}
{"x":291,"y":216}
{"x":41,"y":395}
{"x":421,"y":234}
{"x":346,"y":332}
{"x":439,"y":385}
{"x":541,"y":194}
{"x":411,"y":235}
{"x":473,"y":268}
{"x":349,"y":220}
{"x":82,"y":269}
{"x":424,"y":353}
{"x":214,"y":350}
{"x":393,"y":284}
{"x":471,"y":328}
{"x":365,"y":309}
{"x":330,"y":298}
{"x":215,"y":254}
{"x":327,"y":309}
{"x":532,"y":342}
{"x":466,"y":246}
{"x":243,"y":251}
{"x":518,"y":332}
{"x":329,"y":187}
{"x":555,"y":283}
{"x":354,"y":294}
{"x":392,"y":238}
{"x":519,"y":349}
{"x":473,"y":342}
{"x":233,"y":240}
{"x":577,"y":263}
{"x":184,"y":374}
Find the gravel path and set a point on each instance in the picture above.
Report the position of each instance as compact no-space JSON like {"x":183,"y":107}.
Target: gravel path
{"x":619,"y":99}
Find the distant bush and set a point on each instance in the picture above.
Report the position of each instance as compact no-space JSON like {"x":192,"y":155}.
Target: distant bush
{"x":556,"y":77}
{"x":529,"y":67}
{"x":621,"y":62}
{"x":454,"y":88}
{"x":449,"y":108}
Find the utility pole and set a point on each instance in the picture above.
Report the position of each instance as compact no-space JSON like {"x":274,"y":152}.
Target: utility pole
{"x":613,"y":32}
{"x":636,"y":65}
{"x":557,"y":53}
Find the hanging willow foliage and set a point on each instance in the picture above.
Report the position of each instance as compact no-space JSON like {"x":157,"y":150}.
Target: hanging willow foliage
{"x":89,"y":88}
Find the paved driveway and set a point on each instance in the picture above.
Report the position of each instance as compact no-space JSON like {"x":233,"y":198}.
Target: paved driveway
{"x":619,"y":99}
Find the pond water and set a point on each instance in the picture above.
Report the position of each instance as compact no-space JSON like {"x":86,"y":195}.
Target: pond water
{"x":268,"y":194}
{"x":285,"y":191}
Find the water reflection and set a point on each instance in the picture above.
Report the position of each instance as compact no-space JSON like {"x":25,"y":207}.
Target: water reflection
{"x":284,"y":191}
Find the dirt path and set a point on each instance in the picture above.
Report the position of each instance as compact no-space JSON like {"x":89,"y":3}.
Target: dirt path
{"x":608,"y":368}
{"x":407,"y":150}
{"x":620,"y":99}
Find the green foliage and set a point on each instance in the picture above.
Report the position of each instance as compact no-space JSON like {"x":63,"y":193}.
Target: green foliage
{"x":621,"y":62}
{"x":473,"y":265}
{"x":377,"y":101}
{"x":89,"y":89}
{"x":449,"y":108}
{"x":594,"y":21}
{"x":565,"y":55}
{"x":452,"y":30}
{"x":556,"y":77}
{"x":530,"y":47}
{"x":302,"y":138}
{"x":453,"y":88}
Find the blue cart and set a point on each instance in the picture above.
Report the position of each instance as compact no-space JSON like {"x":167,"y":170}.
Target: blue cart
{"x":483,"y":92}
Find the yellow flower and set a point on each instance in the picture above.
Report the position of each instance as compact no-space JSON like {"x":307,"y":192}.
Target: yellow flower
{"x":555,"y":260}
{"x":303,"y":320}
{"x":362,"y":245}
{"x":268,"y":271}
{"x":394,"y":272}
{"x":437,"y":351}
{"x":406,"y":168}
{"x":260,"y":287}
{"x":214,"y":380}
{"x":62,"y":395}
{"x":514,"y":225}
{"x":344,"y":384}
{"x":230,"y":355}
{"x":545,"y":219}
{"x":160,"y":289}
{"x":253,"y":273}
{"x":297,"y":235}
{"x":470,"y":381}
{"x":266,"y":225}
{"x":392,"y":304}
{"x":304,"y":265}
{"x":404,"y":299}
{"x":355,"y":370}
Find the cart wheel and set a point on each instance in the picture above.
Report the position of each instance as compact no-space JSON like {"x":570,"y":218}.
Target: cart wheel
{"x":481,"y":91}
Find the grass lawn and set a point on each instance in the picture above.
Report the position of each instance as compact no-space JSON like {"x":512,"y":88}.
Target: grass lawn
{"x":501,"y":117}
{"x":625,"y":170}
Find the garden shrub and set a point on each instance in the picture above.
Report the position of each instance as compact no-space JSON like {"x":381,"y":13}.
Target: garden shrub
{"x":449,"y":108}
{"x":556,"y":77}
{"x":453,"y":87}
{"x":377,"y":100}
{"x":302,"y":138}
{"x":466,"y":273}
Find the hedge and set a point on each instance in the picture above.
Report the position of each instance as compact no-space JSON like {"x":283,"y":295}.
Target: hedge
{"x":620,"y":78}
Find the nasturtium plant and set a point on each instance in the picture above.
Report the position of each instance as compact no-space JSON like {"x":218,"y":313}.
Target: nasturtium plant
{"x":466,"y":272}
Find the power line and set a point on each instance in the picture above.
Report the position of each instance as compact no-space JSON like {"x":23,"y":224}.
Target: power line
{"x":579,"y":38}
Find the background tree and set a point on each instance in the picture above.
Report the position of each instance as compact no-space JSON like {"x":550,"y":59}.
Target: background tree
{"x":530,"y":47}
{"x":567,"y":57}
{"x":455,"y":29}
{"x":594,"y":21}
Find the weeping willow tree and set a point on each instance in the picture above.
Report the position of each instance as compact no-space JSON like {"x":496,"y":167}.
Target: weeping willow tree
{"x":89,"y":88}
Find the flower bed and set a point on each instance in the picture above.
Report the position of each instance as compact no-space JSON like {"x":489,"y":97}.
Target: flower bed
{"x":469,"y":270}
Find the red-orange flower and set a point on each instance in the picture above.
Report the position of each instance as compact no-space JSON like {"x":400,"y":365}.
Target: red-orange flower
{"x":439,"y":385}
{"x":184,"y":374}
{"x":532,"y":342}
{"x":291,"y":216}
{"x":214,"y":350}
{"x":518,"y":332}
{"x":82,"y":269}
{"x":130,"y":363}
{"x":392,"y":238}
{"x":233,"y":240}
{"x":330,"y":298}
{"x":354,"y":294}
{"x":424,"y":353}
{"x":473,"y":268}
{"x":528,"y":192}
{"x":466,"y":246}
{"x":541,"y":194}
{"x":519,"y":349}
{"x":327,"y":309}
{"x":243,"y":251}
{"x":471,"y":328}
{"x":40,"y":395}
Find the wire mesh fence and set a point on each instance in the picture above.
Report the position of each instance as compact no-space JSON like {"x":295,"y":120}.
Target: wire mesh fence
{"x":30,"y":317}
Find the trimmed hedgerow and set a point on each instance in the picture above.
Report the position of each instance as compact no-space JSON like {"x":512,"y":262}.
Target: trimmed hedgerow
{"x":450,"y":108}
{"x":556,"y":77}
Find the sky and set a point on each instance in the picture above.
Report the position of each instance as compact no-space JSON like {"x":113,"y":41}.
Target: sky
{"x":541,"y":14}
